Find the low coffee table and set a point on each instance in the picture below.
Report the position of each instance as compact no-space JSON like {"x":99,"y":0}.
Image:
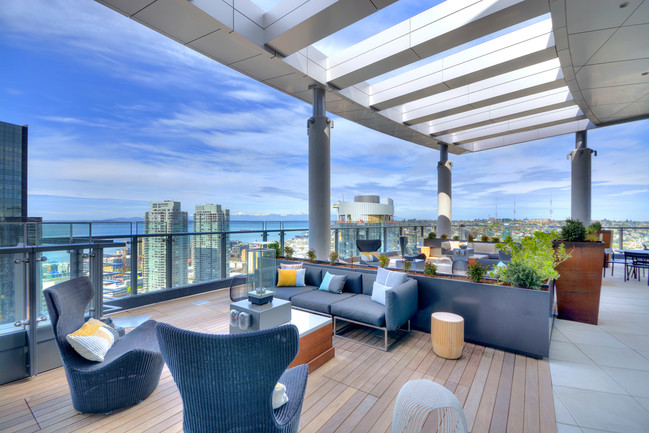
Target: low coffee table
{"x":316,"y":347}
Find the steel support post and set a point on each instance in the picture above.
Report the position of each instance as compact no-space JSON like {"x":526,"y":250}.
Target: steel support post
{"x":444,"y":186}
{"x":319,"y":131}
{"x":580,"y":179}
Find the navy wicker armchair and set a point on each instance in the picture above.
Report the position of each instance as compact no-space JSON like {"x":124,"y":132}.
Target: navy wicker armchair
{"x":131,"y":369}
{"x":226,"y":381}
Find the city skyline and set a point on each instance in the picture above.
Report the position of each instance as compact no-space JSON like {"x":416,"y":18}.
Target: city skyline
{"x":125,"y":117}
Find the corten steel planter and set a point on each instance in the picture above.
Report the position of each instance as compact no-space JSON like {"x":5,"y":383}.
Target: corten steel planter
{"x":580,"y":282}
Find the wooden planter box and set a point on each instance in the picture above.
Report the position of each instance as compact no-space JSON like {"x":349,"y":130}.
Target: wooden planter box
{"x":580,"y":282}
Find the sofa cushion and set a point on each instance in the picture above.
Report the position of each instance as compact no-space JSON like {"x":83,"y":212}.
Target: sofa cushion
{"x":368,"y":283}
{"x":353,"y":283}
{"x":360,"y":308}
{"x":313,"y":276}
{"x":390,"y":278}
{"x":319,"y":300}
{"x":287,"y":293}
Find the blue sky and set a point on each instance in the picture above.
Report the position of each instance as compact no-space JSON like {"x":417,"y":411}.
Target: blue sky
{"x":120,"y":116}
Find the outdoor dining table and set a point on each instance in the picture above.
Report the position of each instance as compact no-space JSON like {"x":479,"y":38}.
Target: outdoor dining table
{"x":634,"y":260}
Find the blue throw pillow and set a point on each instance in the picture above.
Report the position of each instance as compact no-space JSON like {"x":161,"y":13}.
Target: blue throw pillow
{"x":333,"y":283}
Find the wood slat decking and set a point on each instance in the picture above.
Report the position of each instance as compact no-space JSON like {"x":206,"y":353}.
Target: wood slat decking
{"x":354,"y":392}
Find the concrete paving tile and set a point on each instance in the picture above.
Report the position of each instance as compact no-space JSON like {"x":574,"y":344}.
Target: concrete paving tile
{"x":604,"y":411}
{"x":595,"y":336}
{"x":558,"y":336}
{"x":562,"y":351}
{"x":583,"y":376}
{"x":614,"y":357}
{"x":561,"y":412}
{"x":567,"y":428}
{"x":637,"y":342}
{"x":644,"y":402}
{"x":635,"y":382}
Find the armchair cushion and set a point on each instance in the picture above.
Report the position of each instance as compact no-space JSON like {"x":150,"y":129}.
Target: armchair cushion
{"x":93,"y":339}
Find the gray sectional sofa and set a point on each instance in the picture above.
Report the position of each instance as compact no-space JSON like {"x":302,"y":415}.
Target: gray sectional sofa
{"x":355,"y":303}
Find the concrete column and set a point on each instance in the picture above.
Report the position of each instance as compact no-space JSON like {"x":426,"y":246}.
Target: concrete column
{"x":318,"y":129}
{"x":444,"y":187}
{"x":580,"y":173}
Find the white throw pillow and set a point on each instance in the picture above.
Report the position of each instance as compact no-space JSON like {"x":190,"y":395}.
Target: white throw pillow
{"x":378,"y":292}
{"x":279,"y":396}
{"x":390,"y":278}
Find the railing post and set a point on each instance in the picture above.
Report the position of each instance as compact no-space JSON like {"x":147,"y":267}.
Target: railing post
{"x":169,"y":240}
{"x":32,"y":296}
{"x":356,"y":231}
{"x":621,"y":241}
{"x":96,"y":260}
{"x":264,"y":236}
{"x":385,"y":237}
{"x":282,"y":235}
{"x":76,"y":263}
{"x":336,"y":240}
{"x":134,"y":264}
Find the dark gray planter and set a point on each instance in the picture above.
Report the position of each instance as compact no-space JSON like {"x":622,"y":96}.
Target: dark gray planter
{"x":509,"y":318}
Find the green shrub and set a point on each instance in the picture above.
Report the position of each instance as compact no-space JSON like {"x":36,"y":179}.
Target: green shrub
{"x":333,"y":257}
{"x":275,"y":246}
{"x":594,"y":227}
{"x":592,"y":237}
{"x":536,"y":251}
{"x":456,"y":238}
{"x":430,"y":269}
{"x":573,"y":231}
{"x":432,"y":235}
{"x":495,"y":239}
{"x":523,"y":275}
{"x":443,"y":237}
{"x":383,"y":260}
{"x":476,"y":272}
{"x":471,"y":238}
{"x":311,"y":255}
{"x":484,"y":238}
{"x":407,"y":265}
{"x":288,"y":252}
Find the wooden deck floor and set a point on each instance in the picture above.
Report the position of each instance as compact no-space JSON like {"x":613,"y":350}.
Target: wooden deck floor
{"x":354,"y":392}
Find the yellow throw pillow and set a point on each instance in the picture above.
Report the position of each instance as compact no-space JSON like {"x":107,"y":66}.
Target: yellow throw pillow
{"x":286,"y":277}
{"x":93,"y":339}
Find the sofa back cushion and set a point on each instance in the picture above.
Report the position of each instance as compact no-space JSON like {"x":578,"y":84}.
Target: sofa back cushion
{"x":313,"y":276}
{"x":353,"y":284}
{"x":368,"y":283}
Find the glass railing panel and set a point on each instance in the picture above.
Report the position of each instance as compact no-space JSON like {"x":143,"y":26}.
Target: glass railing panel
{"x":391,"y":241}
{"x":154,"y":264}
{"x":110,"y":229}
{"x":116,"y":267}
{"x":205,"y":263}
{"x":56,"y":233}
{"x":13,"y":300}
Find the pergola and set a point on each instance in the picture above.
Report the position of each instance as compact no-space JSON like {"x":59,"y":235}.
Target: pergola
{"x":462,"y":76}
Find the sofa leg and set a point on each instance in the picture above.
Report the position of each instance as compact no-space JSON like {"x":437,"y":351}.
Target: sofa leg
{"x":386,"y":345}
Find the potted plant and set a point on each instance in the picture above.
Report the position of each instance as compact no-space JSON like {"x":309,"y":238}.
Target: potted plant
{"x":484,"y":238}
{"x":383,"y":260}
{"x":288,"y":252}
{"x":311,"y":255}
{"x":275,"y":246}
{"x":443,"y":237}
{"x":407,"y":264}
{"x":476,"y":272}
{"x":578,"y":289}
{"x":430,"y":269}
{"x":432,"y":235}
{"x":333,"y":257}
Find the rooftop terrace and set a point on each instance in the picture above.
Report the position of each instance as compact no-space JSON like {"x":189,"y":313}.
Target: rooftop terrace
{"x":596,"y":378}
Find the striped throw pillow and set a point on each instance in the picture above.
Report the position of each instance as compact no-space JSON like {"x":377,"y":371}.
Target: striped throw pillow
{"x":290,"y":266}
{"x":93,"y":339}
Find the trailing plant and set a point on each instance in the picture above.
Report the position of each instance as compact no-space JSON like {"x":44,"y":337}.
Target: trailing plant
{"x":288,"y":252}
{"x":484,"y":238}
{"x":495,"y":239}
{"x":407,"y":265}
{"x":430,"y":269}
{"x":432,"y":235}
{"x":443,"y":237}
{"x":536,"y":251}
{"x":476,"y":272}
{"x":456,"y":238}
{"x":311,"y":255}
{"x":275,"y":246}
{"x":333,"y":257}
{"x":383,"y":260}
{"x":591,"y":237}
{"x":523,"y":275}
{"x":594,"y":227}
{"x":471,"y":238}
{"x":573,"y":231}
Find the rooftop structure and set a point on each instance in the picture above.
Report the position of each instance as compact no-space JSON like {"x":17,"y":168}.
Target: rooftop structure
{"x":365,"y":208}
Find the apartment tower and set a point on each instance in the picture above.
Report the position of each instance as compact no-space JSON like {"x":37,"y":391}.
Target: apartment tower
{"x":207,"y":249}
{"x":165,"y":217}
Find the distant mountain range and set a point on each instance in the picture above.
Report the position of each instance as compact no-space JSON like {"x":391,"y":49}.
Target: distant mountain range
{"x":235,"y":217}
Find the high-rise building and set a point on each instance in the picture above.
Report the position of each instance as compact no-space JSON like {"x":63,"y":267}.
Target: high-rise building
{"x":13,"y":211}
{"x":362,"y":213}
{"x":165,"y":217}
{"x":206,"y":249}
